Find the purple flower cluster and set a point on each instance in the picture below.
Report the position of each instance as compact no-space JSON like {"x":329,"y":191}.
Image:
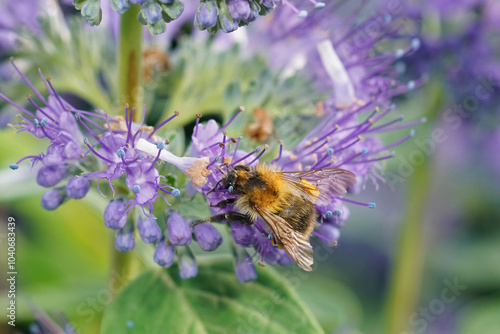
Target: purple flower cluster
{"x":54,"y":119}
{"x":362,"y":84}
{"x":339,"y":54}
{"x":17,"y":14}
{"x":129,"y":153}
{"x":339,"y":141}
{"x":452,"y":53}
{"x":212,"y":15}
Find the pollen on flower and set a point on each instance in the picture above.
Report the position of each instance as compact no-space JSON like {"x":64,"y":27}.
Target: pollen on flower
{"x":262,"y":127}
{"x":198,"y":171}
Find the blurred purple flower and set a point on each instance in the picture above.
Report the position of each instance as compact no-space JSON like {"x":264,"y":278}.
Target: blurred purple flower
{"x":54,"y":119}
{"x":164,"y":254}
{"x":179,"y":232}
{"x":207,"y":236}
{"x":17,"y":15}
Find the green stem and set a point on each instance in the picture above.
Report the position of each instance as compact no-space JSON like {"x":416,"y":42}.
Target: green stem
{"x":121,"y":269}
{"x":404,"y":287}
{"x":130,"y":91}
{"x":130,"y":61}
{"x":407,"y":269}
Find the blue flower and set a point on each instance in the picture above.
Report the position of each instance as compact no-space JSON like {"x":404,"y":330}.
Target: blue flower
{"x":164,"y":254}
{"x":149,"y":230}
{"x":124,"y":240}
{"x":52,"y":199}
{"x":77,"y":187}
{"x":179,"y":232}
{"x":114,"y":215}
{"x":187,"y":265}
{"x":207,"y":236}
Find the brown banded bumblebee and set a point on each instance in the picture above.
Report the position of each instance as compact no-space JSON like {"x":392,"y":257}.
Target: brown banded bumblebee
{"x":284,"y":201}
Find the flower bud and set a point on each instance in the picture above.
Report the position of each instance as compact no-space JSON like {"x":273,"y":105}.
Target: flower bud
{"x":187,"y":266}
{"x":114,"y":215}
{"x":243,"y":235}
{"x":226,"y":22}
{"x":120,"y":6}
{"x":272,"y":256}
{"x":77,"y":187}
{"x":245,"y":270}
{"x":172,"y":10}
{"x":206,"y":15}
{"x":329,"y":231}
{"x":149,"y":230}
{"x":124,"y":240}
{"x":207,"y":236}
{"x":268,"y":3}
{"x":164,"y":254}
{"x":50,"y":175}
{"x":239,"y":9}
{"x":284,"y":259}
{"x":179,"y":232}
{"x":52,"y":199}
{"x":91,"y":12}
{"x":151,"y":12}
{"x":158,"y":28}
{"x":254,"y":11}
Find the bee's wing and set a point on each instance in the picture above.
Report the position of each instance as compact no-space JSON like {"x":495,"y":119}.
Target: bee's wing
{"x":321,"y":184}
{"x":295,"y":243}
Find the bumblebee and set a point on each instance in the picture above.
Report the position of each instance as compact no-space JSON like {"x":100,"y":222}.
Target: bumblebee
{"x":284,"y":201}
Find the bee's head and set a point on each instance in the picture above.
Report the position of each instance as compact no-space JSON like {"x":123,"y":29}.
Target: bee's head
{"x":229,"y":181}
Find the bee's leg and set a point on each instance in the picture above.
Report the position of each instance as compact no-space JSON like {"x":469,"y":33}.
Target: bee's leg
{"x":224,"y":203}
{"x":231,"y":216}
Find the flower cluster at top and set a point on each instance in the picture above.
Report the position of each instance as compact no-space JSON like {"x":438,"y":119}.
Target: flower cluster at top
{"x":213,"y":15}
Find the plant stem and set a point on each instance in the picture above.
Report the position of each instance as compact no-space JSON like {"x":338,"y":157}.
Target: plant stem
{"x":130,"y":61}
{"x":130,"y":91}
{"x":121,"y":269}
{"x":404,"y":286}
{"x":407,"y":269}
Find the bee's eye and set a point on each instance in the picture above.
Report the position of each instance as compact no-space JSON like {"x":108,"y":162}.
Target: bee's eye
{"x":230,"y":189}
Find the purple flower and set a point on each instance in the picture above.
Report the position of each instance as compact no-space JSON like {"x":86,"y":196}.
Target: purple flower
{"x":52,"y":199}
{"x":151,"y":11}
{"x":44,"y":324}
{"x":346,"y":136}
{"x":54,"y":119}
{"x":114,"y":215}
{"x":17,"y":14}
{"x":206,"y":15}
{"x":50,"y":175}
{"x":120,"y":6}
{"x":179,"y":232}
{"x":124,"y":240}
{"x":207,"y":236}
{"x":187,"y":264}
{"x":243,"y":235}
{"x":77,"y":187}
{"x":164,"y":254}
{"x":119,"y":153}
{"x":149,"y":230}
{"x":239,"y":9}
{"x":328,"y":232}
{"x":244,"y":269}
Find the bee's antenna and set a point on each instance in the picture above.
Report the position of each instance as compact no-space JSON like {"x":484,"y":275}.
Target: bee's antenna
{"x":214,"y":187}
{"x":222,"y":165}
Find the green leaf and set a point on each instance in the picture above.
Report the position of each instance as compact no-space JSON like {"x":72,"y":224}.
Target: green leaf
{"x":213,"y":302}
{"x":481,"y":317}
